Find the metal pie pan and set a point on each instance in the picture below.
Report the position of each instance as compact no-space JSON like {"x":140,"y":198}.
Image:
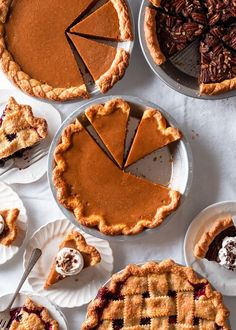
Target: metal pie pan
{"x":181,"y":72}
{"x":178,"y":175}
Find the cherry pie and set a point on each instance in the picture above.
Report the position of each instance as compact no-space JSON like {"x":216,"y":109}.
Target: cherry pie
{"x":9,"y":231}
{"x":157,"y":296}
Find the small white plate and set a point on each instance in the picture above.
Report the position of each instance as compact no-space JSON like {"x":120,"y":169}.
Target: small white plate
{"x":8,"y":200}
{"x":75,"y":291}
{"x":55,"y":313}
{"x":40,"y":109}
{"x":222,"y":279}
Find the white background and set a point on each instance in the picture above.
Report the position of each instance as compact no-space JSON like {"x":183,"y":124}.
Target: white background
{"x":214,"y":152}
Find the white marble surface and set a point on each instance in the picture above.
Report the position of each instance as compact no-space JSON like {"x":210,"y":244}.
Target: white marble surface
{"x":210,"y":126}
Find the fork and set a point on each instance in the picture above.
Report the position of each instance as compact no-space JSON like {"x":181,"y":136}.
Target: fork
{"x":5,"y":316}
{"x":38,"y":154}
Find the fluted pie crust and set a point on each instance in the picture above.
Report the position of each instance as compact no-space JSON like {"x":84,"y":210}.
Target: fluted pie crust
{"x":157,"y":296}
{"x":218,"y":88}
{"x":9,"y":234}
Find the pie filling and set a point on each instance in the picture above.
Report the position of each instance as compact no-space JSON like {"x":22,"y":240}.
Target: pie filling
{"x":220,"y":11}
{"x":228,"y":35}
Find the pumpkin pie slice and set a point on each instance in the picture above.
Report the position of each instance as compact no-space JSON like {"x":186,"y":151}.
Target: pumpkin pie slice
{"x":73,"y":256}
{"x":100,"y":194}
{"x":152,"y":134}
{"x":105,"y":63}
{"x":110,"y":122}
{"x":8,"y":228}
{"x":111,"y":21}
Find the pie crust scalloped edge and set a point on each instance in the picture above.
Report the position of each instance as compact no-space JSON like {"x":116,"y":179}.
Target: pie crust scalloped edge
{"x":74,"y":204}
{"x":207,"y":238}
{"x":158,"y":268}
{"x":24,"y":81}
{"x":124,"y":20}
{"x":218,"y":88}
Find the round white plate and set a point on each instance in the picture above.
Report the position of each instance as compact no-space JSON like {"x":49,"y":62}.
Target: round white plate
{"x":8,"y":200}
{"x":222,"y":279}
{"x":77,"y":290}
{"x":40,"y":109}
{"x":20,"y":300}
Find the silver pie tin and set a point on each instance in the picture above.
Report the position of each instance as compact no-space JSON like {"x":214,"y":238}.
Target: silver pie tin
{"x":179,"y":174}
{"x":181,"y":71}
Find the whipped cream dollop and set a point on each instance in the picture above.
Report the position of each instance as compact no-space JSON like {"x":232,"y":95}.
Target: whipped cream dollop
{"x":69,"y":262}
{"x":227,"y":254}
{"x":2,"y":224}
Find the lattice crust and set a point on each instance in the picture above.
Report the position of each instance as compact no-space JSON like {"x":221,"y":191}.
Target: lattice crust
{"x":157,"y":296}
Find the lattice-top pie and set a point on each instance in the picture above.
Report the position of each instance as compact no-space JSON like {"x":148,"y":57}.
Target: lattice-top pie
{"x":155,"y":296}
{"x":19,"y":129}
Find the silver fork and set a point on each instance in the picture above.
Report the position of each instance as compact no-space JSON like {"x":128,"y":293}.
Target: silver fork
{"x":38,"y":154}
{"x":5,"y":315}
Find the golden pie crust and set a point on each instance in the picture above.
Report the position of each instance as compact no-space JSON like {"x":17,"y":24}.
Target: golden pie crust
{"x":157,"y":296}
{"x":208,"y":237}
{"x":102,"y":195}
{"x":218,"y":88}
{"x":76,"y":241}
{"x":9,"y":234}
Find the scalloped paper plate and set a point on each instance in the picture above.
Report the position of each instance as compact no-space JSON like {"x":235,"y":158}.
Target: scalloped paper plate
{"x":8,"y":200}
{"x":77,"y":290}
{"x":20,"y":299}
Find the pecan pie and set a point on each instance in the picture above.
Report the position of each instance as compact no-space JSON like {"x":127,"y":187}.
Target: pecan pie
{"x":73,"y":256}
{"x":19,"y":130}
{"x":152,"y":134}
{"x":219,"y":11}
{"x":157,"y":296}
{"x":110,"y":121}
{"x":219,"y":244}
{"x":8,"y":228}
{"x":32,"y":316}
{"x":226,"y":34}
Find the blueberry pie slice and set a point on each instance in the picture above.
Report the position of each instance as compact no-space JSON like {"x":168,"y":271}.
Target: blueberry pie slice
{"x":19,"y":130}
{"x":8,"y":228}
{"x":157,"y":297}
{"x":32,"y":316}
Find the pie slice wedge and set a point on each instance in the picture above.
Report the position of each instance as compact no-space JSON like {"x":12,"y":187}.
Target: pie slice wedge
{"x":110,"y":122}
{"x":72,"y":250}
{"x":105,"y":63}
{"x":19,"y":129}
{"x":217,"y":67}
{"x":152,"y":134}
{"x":8,"y":228}
{"x":111,"y":20}
{"x":100,"y":194}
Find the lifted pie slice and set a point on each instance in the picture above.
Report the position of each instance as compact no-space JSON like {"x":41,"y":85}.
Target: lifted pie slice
{"x":111,"y":21}
{"x":152,"y":134}
{"x":8,"y":229}
{"x":110,"y":121}
{"x":73,"y":256}
{"x":105,"y":63}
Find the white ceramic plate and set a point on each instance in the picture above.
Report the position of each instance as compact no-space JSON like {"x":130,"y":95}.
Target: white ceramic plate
{"x":71,"y":292}
{"x":9,"y":199}
{"x":40,"y":109}
{"x":222,"y":279}
{"x":54,"y":312}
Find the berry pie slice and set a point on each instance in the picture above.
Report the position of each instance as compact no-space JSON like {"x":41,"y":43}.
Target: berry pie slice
{"x":157,"y":297}
{"x":219,"y":244}
{"x":218,"y":66}
{"x":32,"y":316}
{"x":74,"y":255}
{"x":110,"y":122}
{"x":152,"y":134}
{"x":8,"y":228}
{"x":19,"y":130}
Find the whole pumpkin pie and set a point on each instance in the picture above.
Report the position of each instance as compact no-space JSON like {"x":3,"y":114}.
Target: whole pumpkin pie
{"x":111,"y":21}
{"x":100,"y":194}
{"x":110,"y":122}
{"x":152,"y":134}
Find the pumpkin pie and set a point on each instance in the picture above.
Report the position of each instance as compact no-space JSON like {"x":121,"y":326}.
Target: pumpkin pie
{"x":152,"y":134}
{"x":73,"y":256}
{"x":110,"y":121}
{"x":100,"y":194}
{"x":105,"y":63}
{"x":111,"y":20}
{"x":8,"y":228}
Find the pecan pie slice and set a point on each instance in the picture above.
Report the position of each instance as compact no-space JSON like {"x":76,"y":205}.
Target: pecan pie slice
{"x":8,"y":228}
{"x":226,"y":34}
{"x":218,"y":66}
{"x":32,"y":316}
{"x":219,"y":11}
{"x":19,"y":130}
{"x":157,"y":297}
